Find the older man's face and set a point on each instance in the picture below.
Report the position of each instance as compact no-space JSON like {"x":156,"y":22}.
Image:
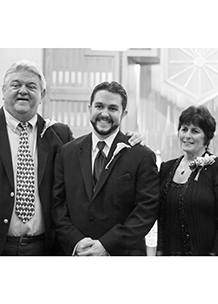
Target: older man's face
{"x":22,"y":95}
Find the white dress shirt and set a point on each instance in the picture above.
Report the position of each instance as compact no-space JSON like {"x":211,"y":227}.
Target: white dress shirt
{"x":35,"y":225}
{"x":108,"y":143}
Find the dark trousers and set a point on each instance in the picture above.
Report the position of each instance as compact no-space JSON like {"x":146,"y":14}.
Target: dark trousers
{"x":15,"y":246}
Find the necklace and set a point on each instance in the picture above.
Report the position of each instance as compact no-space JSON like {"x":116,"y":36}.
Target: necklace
{"x":185,"y":168}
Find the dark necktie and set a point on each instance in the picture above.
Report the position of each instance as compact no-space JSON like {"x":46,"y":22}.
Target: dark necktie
{"x":25,"y":195}
{"x":99,"y":162}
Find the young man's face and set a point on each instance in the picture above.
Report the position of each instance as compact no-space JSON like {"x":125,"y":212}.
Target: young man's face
{"x":106,"y":113}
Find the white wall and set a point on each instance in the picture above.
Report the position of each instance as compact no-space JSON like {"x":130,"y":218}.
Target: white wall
{"x":9,"y":55}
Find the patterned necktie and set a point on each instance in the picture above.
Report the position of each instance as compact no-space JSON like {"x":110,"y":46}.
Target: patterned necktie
{"x":99,"y":161}
{"x":25,"y":198}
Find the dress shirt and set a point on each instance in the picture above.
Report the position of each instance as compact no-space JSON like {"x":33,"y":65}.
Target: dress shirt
{"x":35,"y":225}
{"x":108,"y":143}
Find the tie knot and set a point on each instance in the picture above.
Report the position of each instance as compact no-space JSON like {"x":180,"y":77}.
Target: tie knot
{"x":101,"y":145}
{"x":23,"y":125}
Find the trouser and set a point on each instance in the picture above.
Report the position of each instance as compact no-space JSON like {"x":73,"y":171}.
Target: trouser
{"x":24,"y":246}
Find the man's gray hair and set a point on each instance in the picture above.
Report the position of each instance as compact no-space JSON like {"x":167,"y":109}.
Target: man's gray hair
{"x":25,"y":65}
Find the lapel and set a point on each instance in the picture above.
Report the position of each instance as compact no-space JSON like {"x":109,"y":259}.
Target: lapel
{"x":85,"y":156}
{"x":5,"y":152}
{"x":106,"y":172}
{"x":43,"y":148}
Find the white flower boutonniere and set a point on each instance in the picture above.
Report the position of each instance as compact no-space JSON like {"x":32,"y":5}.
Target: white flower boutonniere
{"x":48,"y":124}
{"x":120,"y":146}
{"x":201,"y":162}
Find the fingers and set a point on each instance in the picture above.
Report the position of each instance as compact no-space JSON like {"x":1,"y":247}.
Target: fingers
{"x":135,"y":138}
{"x":95,"y":250}
{"x":84,"y":245}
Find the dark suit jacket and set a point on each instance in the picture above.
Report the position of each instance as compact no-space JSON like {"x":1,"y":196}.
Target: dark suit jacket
{"x":47,"y":146}
{"x":124,"y":206}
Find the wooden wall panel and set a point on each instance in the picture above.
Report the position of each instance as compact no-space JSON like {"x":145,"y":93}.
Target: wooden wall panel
{"x":71,"y":76}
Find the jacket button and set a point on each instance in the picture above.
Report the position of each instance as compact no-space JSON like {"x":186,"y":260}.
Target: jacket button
{"x":5,"y":221}
{"x":91,"y":218}
{"x":12,"y":194}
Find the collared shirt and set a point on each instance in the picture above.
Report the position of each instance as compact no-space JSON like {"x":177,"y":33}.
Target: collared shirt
{"x":35,"y":225}
{"x":108,"y":143}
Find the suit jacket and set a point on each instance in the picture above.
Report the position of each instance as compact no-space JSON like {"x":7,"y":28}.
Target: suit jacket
{"x":123,"y":207}
{"x":47,"y":146}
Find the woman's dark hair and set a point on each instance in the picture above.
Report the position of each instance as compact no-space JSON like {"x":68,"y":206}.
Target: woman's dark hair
{"x":199,"y":117}
{"x":113,"y":87}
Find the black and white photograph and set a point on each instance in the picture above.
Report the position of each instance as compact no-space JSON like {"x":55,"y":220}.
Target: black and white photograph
{"x":108,"y":153}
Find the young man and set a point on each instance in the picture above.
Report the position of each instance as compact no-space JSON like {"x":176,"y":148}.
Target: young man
{"x":108,"y":212}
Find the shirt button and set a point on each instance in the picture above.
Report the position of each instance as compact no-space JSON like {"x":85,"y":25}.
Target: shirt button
{"x":5,"y":221}
{"x":12,"y":194}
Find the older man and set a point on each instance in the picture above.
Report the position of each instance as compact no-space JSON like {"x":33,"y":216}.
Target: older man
{"x":25,"y":226}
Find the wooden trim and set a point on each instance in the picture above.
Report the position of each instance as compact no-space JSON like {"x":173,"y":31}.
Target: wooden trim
{"x":70,"y":94}
{"x":46,"y":71}
{"x":151,"y":56}
{"x":100,"y":53}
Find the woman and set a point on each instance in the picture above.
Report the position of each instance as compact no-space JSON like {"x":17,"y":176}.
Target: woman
{"x":188,"y":215}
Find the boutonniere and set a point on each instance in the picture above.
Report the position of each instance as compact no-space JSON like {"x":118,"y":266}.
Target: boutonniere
{"x":200,"y":162}
{"x":48,"y":124}
{"x":120,"y":146}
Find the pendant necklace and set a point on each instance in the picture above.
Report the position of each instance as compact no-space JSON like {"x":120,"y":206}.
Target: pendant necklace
{"x":184,"y":170}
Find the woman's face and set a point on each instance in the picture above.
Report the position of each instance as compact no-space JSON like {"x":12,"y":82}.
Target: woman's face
{"x":192,"y":139}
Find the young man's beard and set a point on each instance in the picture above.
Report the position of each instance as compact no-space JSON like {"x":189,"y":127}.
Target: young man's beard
{"x":104,"y":132}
